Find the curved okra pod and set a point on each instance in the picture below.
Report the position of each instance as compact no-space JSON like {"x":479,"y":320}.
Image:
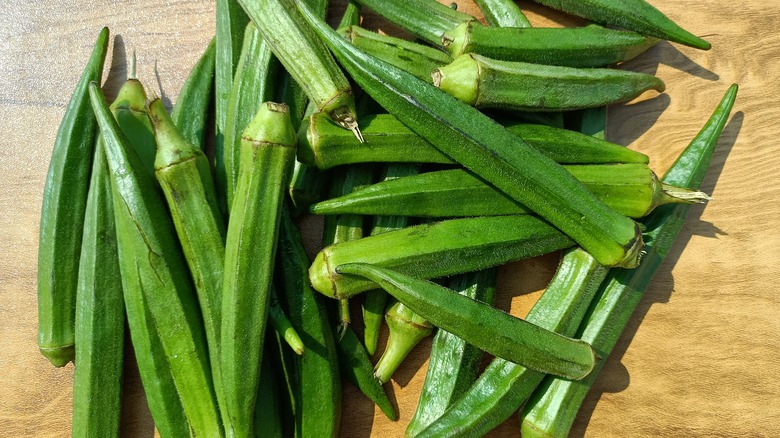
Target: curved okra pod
{"x":154,"y":275}
{"x":492,"y":153}
{"x":553,"y":408}
{"x":407,"y":329}
{"x":487,"y":83}
{"x":483,"y":326}
{"x":323,"y":144}
{"x":282,"y":324}
{"x":631,"y":189}
{"x":191,"y":111}
{"x":454,"y":363}
{"x":305,"y":58}
{"x":502,"y":13}
{"x":429,"y":251}
{"x":62,"y":216}
{"x":267,"y":153}
{"x":636,"y":15}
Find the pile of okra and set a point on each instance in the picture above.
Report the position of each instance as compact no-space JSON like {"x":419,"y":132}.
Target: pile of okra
{"x":433,"y":162}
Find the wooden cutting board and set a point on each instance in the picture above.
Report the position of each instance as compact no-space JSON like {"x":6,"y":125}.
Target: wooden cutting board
{"x":700,"y":356}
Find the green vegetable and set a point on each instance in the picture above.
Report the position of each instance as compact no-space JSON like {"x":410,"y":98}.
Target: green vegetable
{"x":191,"y":111}
{"x":407,"y":329}
{"x":489,"y":83}
{"x":267,"y":153}
{"x":282,"y":324}
{"x":268,"y":407}
{"x":62,"y":216}
{"x":553,"y":408}
{"x":502,"y":13}
{"x":485,"y":327}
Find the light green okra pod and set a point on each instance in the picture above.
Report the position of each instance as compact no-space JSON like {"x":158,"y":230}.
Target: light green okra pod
{"x":267,"y":153}
{"x":407,"y":329}
{"x":191,"y":111}
{"x":502,"y":13}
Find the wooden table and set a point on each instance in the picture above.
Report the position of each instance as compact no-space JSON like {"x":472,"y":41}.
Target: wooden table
{"x":700,"y":357}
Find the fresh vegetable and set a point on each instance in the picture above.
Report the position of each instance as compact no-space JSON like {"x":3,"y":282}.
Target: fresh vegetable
{"x":407,"y":329}
{"x":502,"y":13}
{"x":190,"y":114}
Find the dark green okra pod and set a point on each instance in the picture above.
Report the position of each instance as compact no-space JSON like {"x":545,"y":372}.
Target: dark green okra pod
{"x":191,"y":111}
{"x":407,"y":329}
{"x":502,"y":13}
{"x":267,"y":153}
{"x":485,"y":327}
{"x":323,"y":144}
{"x":636,"y":15}
{"x":553,"y":408}
{"x":154,"y":274}
{"x":487,"y":83}
{"x":62,"y":216}
{"x":426,"y":19}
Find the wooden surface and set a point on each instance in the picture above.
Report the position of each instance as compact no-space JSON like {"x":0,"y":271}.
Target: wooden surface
{"x":700,"y":357}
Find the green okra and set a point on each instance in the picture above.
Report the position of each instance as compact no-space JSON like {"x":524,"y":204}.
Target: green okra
{"x":267,"y":153}
{"x":636,"y":15}
{"x":190,"y":114}
{"x":454,"y":363}
{"x":589,"y":46}
{"x":253,"y":84}
{"x":485,"y":327}
{"x":487,"y":83}
{"x":407,"y":329}
{"x":426,"y":19}
{"x":323,"y":144}
{"x":154,"y":274}
{"x":317,"y":382}
{"x":504,"y":385}
{"x":357,"y":368}
{"x":306,"y":186}
{"x":268,"y":421}
{"x":417,"y":59}
{"x":375,"y":301}
{"x":492,"y":153}
{"x":129,"y":110}
{"x":631,"y":189}
{"x":62,"y":216}
{"x":502,"y":13}
{"x":306,"y":59}
{"x":100,"y":315}
{"x":282,"y":324}
{"x":429,"y":251}
{"x":553,"y":408}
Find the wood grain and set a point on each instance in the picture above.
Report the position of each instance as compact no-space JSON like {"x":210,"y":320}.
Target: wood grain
{"x":699,"y":357}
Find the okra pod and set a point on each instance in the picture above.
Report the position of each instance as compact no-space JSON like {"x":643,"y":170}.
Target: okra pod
{"x":407,"y":329}
{"x":631,"y":189}
{"x":454,"y":363}
{"x":553,"y":408}
{"x":62,"y":216}
{"x":306,"y":59}
{"x":100,"y":315}
{"x":129,"y":110}
{"x":502,"y":13}
{"x":282,"y":324}
{"x":317,"y":386}
{"x":636,"y":15}
{"x":426,"y":19}
{"x":492,"y":153}
{"x":191,"y":111}
{"x":267,"y":153}
{"x":306,"y":186}
{"x":487,"y":83}
{"x":268,"y":408}
{"x":252,"y":85}
{"x":429,"y":251}
{"x":485,"y":327}
{"x":153,"y":273}
{"x":323,"y":144}
{"x":417,"y":59}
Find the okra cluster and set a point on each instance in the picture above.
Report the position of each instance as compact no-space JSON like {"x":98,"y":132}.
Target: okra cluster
{"x":474,"y":146}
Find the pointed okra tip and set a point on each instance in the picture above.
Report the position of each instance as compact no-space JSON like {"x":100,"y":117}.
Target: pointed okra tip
{"x":59,"y":356}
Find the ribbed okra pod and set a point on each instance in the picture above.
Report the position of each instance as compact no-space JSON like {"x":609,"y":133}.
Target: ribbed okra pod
{"x":553,"y":408}
{"x":454,"y":363}
{"x":407,"y":329}
{"x":268,"y":422}
{"x":488,"y":83}
{"x":426,"y":19}
{"x":504,"y":385}
{"x":100,"y":315}
{"x":191,"y":111}
{"x":267,"y":153}
{"x":485,"y":327}
{"x":253,"y":84}
{"x":502,"y":13}
{"x":492,"y":153}
{"x":129,"y":110}
{"x":417,"y":59}
{"x":154,"y":274}
{"x":230,"y":24}
{"x":631,"y":189}
{"x":323,"y":144}
{"x":62,"y":216}
{"x":429,"y":251}
{"x":305,"y":58}
{"x":317,"y":386}
{"x":636,"y":15}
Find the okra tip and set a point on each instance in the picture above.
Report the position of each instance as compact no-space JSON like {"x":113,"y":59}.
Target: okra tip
{"x":635,"y":249}
{"x":59,"y":356}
